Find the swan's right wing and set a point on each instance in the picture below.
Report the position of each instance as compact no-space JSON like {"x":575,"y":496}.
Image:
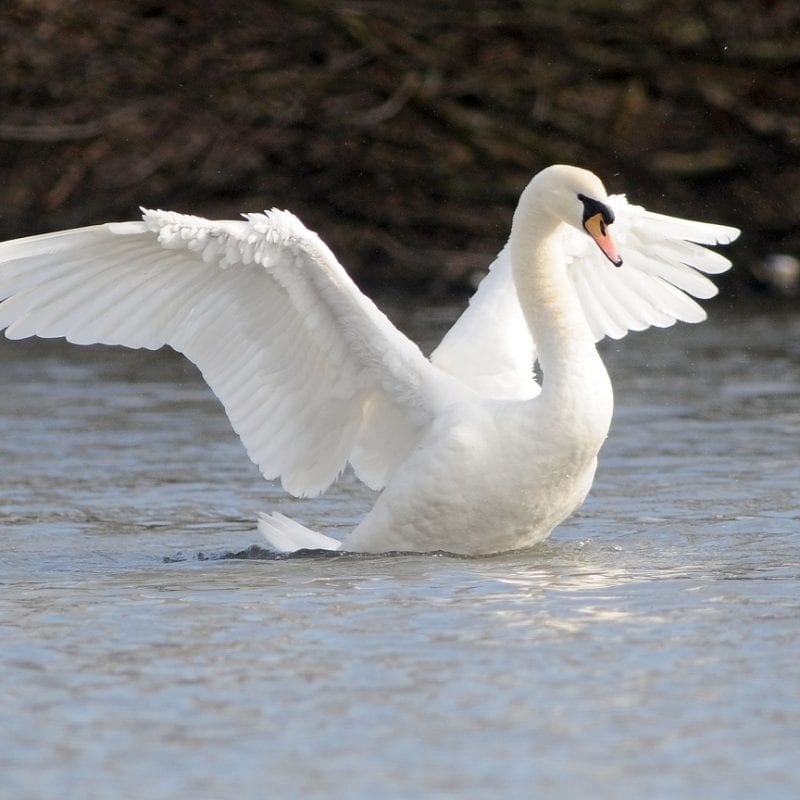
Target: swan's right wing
{"x":310,"y":372}
{"x":490,"y":346}
{"x":664,"y":260}
{"x":665,"y":263}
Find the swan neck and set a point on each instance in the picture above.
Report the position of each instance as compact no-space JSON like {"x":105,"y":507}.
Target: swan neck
{"x":565,"y":346}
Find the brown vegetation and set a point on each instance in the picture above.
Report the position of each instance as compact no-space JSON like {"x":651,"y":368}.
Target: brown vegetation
{"x":402,"y":132}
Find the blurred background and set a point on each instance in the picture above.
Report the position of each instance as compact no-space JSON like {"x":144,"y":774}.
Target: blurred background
{"x":404,"y":132}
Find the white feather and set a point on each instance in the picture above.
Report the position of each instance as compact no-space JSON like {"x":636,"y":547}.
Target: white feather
{"x":662,"y":269}
{"x":292,"y":349}
{"x":313,"y":376}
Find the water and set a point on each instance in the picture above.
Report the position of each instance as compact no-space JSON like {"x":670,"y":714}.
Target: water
{"x":650,"y":648}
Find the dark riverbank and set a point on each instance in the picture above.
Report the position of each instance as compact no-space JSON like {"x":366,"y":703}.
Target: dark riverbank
{"x":402,"y":132}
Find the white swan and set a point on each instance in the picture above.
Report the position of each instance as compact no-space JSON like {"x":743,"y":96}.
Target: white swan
{"x":473,"y":456}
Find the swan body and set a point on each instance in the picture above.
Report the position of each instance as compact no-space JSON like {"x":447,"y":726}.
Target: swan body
{"x":471,"y":453}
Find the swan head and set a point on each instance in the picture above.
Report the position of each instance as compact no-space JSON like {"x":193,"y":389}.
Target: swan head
{"x":576,"y":197}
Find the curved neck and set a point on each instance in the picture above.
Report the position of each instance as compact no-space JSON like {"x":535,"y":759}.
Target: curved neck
{"x":573,"y":371}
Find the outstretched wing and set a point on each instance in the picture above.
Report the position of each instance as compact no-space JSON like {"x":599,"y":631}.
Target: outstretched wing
{"x":310,"y":372}
{"x":490,"y":348}
{"x":664,"y":260}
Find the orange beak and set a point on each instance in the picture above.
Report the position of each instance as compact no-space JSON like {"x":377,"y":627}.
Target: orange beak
{"x":596,"y":228}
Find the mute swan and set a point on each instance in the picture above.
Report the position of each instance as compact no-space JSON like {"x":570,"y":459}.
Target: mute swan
{"x":472,"y":454}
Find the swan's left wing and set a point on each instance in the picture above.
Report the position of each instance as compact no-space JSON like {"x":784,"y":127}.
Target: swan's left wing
{"x":311,"y":373}
{"x":665,"y":263}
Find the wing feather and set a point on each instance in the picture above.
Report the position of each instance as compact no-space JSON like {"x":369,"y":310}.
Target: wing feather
{"x":490,"y":347}
{"x":298,"y":356}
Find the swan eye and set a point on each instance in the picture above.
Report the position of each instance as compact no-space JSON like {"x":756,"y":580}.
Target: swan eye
{"x":597,"y":217}
{"x":592,"y":208}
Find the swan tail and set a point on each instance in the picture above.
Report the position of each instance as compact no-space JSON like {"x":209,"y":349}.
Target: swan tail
{"x":284,"y":535}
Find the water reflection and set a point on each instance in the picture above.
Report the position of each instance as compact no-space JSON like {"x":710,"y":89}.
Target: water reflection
{"x":664,"y":612}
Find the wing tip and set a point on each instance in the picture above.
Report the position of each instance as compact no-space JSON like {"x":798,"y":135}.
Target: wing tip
{"x":726,"y":234}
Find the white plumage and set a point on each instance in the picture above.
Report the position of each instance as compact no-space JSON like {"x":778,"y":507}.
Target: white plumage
{"x":472,"y":454}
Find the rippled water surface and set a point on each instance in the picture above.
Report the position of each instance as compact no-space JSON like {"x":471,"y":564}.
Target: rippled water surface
{"x":651,"y":648}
